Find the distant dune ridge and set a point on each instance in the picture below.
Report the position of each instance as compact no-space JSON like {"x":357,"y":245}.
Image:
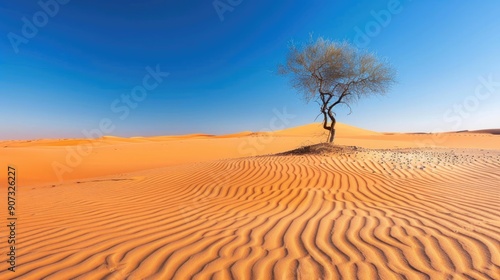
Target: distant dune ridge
{"x":488,"y":131}
{"x":285,"y":206}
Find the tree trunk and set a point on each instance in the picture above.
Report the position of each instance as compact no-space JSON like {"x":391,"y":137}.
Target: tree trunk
{"x":332,"y":131}
{"x":332,"y":135}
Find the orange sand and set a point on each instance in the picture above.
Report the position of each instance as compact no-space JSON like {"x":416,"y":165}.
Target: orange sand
{"x":231,"y":207}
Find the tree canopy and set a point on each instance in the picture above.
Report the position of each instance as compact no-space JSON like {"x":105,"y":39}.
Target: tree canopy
{"x":334,"y":73}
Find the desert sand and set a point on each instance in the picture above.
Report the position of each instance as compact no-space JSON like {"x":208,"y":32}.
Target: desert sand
{"x":266,"y":205}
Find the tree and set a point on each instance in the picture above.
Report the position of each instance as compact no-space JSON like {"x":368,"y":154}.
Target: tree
{"x":334,"y":74}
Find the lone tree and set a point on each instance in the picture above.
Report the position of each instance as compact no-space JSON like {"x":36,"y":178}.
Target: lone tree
{"x":335,"y":73}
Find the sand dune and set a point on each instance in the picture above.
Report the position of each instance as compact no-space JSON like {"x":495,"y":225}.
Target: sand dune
{"x":58,"y":161}
{"x":316,"y":129}
{"x":488,"y":131}
{"x":319,"y":212}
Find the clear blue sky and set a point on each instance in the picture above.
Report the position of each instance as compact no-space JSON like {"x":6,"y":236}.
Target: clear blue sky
{"x":88,"y":54}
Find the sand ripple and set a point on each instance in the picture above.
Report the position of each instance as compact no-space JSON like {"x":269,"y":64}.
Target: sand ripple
{"x":361,"y":215}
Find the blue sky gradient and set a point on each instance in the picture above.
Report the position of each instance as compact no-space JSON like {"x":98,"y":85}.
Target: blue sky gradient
{"x":222,"y":73}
